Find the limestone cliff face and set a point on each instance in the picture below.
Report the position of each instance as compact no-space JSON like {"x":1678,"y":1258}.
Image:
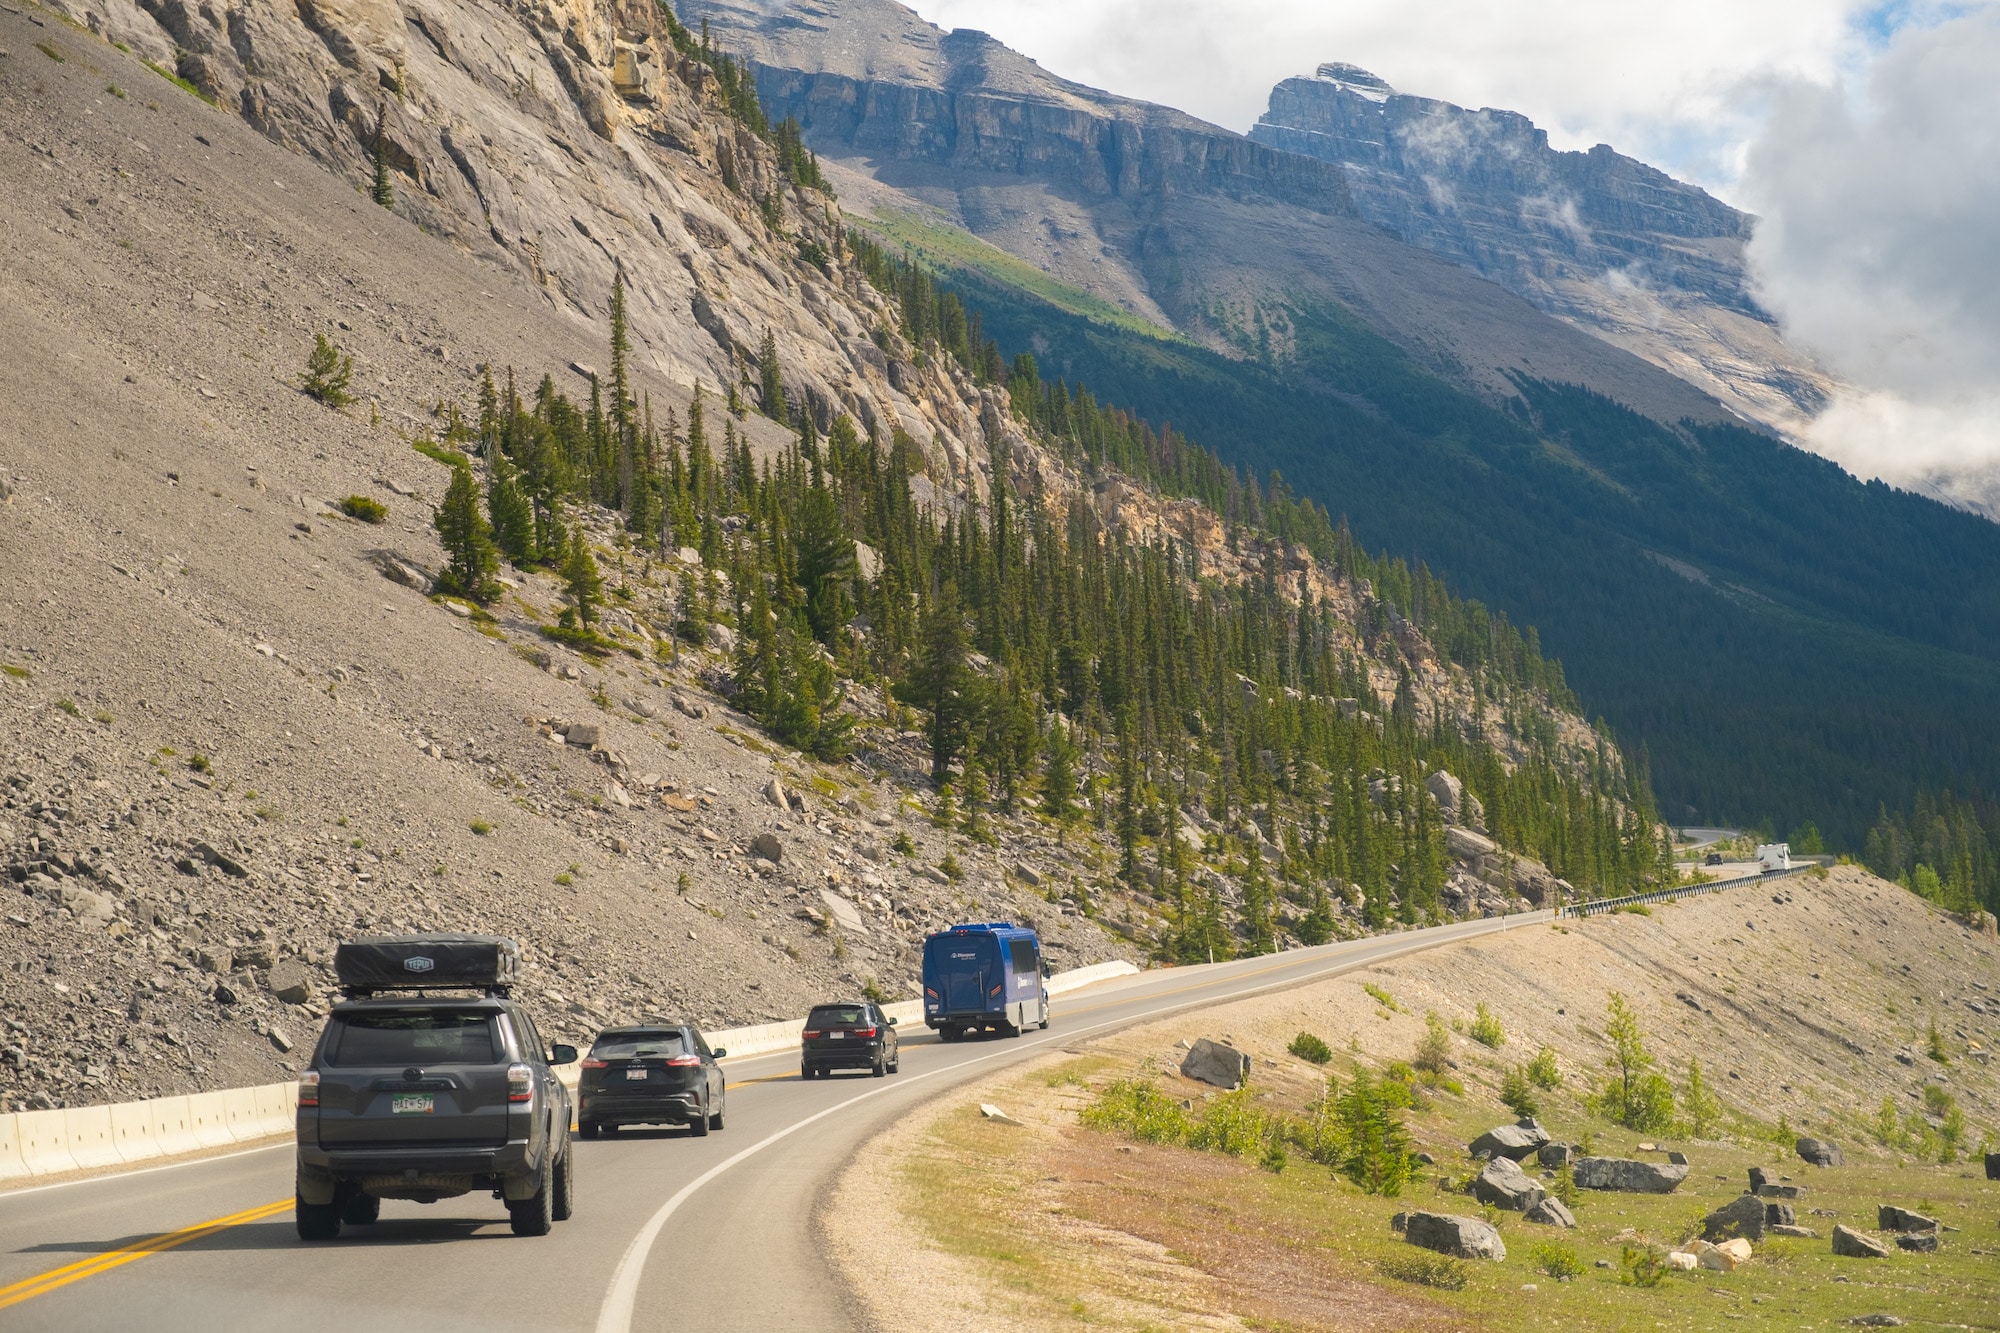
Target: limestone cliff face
{"x":1596,"y":238}
{"x":563,"y":139}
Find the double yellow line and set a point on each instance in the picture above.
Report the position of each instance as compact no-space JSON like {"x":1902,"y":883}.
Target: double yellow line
{"x":44,"y":1283}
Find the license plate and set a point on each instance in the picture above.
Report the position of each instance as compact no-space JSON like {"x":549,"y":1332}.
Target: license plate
{"x":423,"y":1105}
{"x":836,"y":1036}
{"x":638,"y":1074}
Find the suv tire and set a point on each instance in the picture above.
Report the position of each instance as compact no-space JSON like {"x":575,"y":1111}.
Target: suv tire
{"x":362,"y":1210}
{"x":587,"y":1128}
{"x":316,"y":1221}
{"x":536,"y":1216}
{"x":565,"y":1183}
{"x":881,"y":1069}
{"x":700,"y":1122}
{"x":715,"y":1121}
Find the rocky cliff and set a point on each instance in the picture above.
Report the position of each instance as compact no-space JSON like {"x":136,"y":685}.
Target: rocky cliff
{"x":1181,"y":222}
{"x":1597,"y":238}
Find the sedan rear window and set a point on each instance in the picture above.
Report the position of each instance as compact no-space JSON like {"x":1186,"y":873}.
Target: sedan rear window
{"x":432,"y":1037}
{"x":837,"y":1015}
{"x":637,"y":1045}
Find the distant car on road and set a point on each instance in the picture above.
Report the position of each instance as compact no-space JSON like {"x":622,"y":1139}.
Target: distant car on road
{"x":984,"y":976}
{"x":650,"y":1074}
{"x":412,"y":1094}
{"x":848,"y":1036}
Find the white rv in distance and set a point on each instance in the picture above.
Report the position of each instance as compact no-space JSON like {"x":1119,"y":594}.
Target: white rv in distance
{"x":1774,"y":856}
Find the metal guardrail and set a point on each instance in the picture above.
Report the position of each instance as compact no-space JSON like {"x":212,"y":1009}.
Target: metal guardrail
{"x":1599,"y":906}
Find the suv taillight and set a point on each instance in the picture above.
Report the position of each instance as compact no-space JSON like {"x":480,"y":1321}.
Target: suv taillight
{"x":520,"y":1083}
{"x":309,"y":1088}
{"x":683,"y":1061}
{"x":812,"y":1032}
{"x":595,"y":1063}
{"x":863,"y":1032}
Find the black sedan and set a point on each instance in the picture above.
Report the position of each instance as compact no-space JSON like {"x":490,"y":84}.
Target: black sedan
{"x":848,"y":1036}
{"x":650,"y":1074}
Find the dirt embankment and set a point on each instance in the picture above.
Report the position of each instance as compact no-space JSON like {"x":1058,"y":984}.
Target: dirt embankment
{"x":1807,"y":1002}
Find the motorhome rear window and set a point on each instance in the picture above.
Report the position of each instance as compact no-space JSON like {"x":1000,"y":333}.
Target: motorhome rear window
{"x":433,"y":1037}
{"x":638,"y":1046}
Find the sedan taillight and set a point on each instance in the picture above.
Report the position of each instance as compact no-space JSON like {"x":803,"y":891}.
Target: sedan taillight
{"x":309,"y":1088}
{"x":520,"y":1083}
{"x":683,"y":1061}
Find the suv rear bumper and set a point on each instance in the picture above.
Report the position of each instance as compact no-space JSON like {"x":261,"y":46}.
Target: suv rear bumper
{"x":443,"y":1160}
{"x":858,"y":1056}
{"x":677,"y":1108}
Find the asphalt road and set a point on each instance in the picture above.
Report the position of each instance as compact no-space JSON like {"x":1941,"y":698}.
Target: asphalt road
{"x":670,"y":1231}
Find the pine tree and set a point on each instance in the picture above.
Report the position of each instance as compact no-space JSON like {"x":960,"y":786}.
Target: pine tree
{"x":773,"y":387}
{"x":1059,"y":776}
{"x":471,"y":559}
{"x":381,"y":188}
{"x":943,"y":683}
{"x":581,"y":580}
{"x":513,"y":517}
{"x":327,"y":374}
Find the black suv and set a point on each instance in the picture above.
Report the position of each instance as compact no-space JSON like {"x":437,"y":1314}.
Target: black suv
{"x":650,"y":1074}
{"x":417,"y":1095}
{"x":848,"y":1036}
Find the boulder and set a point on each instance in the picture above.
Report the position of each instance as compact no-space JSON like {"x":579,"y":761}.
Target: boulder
{"x":1460,"y":1237}
{"x":1918,"y":1242}
{"x":1465,"y":845}
{"x":1819,"y":1152}
{"x":1553,"y":1155}
{"x":221,"y":860}
{"x":1780,"y":1215}
{"x":1551,"y":1212}
{"x":1505,"y":1185}
{"x":1759,"y":1177}
{"x":1448,"y":792}
{"x":1857,"y":1245}
{"x":1725,"y":1257}
{"x":1793,"y":1192}
{"x":687,"y":707}
{"x":722,"y":638}
{"x":217,"y":960}
{"x":1888,"y":1217}
{"x":1517,"y":1142}
{"x":767,"y":847}
{"x":1628,"y":1176}
{"x":1681,"y":1261}
{"x":774,"y":792}
{"x":289,"y":981}
{"x":1796,"y":1233}
{"x":1993,"y":1166}
{"x":1027,"y":874}
{"x":1746,"y":1216}
{"x":584,"y":734}
{"x":1212,"y":1062}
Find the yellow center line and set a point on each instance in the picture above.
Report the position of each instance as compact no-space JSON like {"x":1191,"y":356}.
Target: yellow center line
{"x":44,"y":1283}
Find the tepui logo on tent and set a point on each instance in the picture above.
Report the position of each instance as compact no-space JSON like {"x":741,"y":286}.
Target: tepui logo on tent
{"x":419,"y":964}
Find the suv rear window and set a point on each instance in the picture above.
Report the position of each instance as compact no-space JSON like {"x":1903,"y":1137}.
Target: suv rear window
{"x":637,"y":1045}
{"x":838,"y":1015}
{"x":430,"y":1037}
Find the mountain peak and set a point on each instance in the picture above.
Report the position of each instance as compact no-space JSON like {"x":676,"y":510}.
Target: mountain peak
{"x":1356,"y":80}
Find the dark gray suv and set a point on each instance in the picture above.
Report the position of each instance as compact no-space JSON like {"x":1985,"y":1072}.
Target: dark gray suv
{"x":418,"y":1095}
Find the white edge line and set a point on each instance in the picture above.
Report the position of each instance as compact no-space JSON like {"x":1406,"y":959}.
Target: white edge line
{"x":622,"y":1296}
{"x":118,"y":1173}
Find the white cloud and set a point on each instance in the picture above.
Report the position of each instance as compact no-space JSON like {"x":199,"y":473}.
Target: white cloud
{"x":1879,"y":246}
{"x":1663,"y":82}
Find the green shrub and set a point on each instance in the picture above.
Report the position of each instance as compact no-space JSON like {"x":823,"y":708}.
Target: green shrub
{"x":1642,"y":1266}
{"x":1564,"y":1186}
{"x":1378,"y":1156}
{"x":481,"y":827}
{"x":1542,"y":1071}
{"x":953,"y":871}
{"x":1383,"y":998}
{"x":1556,"y":1260}
{"x":1434,"y":1048}
{"x":1229,"y":1124}
{"x":17,"y":672}
{"x":1427,"y":1270}
{"x":328,"y":374}
{"x":1518,"y":1094}
{"x":1140,"y":1110}
{"x":1486,"y":1029}
{"x":365,"y":508}
{"x":1311,"y":1049}
{"x":68,"y":706}
{"x":437,"y":453}
{"x":199,"y":763}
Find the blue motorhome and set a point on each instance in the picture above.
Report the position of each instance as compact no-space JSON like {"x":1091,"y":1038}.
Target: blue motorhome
{"x":984,"y":975}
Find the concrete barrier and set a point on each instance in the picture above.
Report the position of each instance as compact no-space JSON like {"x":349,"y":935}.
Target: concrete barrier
{"x":11,"y":1165}
{"x":1078,"y":977}
{"x":44,"y":1142}
{"x":208,"y":1117}
{"x":277,"y":1108}
{"x":173,"y":1126}
{"x":91,"y":1141}
{"x":239,"y":1111}
{"x":132,"y":1131}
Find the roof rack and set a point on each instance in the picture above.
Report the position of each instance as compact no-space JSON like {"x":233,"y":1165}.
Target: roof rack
{"x":486,"y":963}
